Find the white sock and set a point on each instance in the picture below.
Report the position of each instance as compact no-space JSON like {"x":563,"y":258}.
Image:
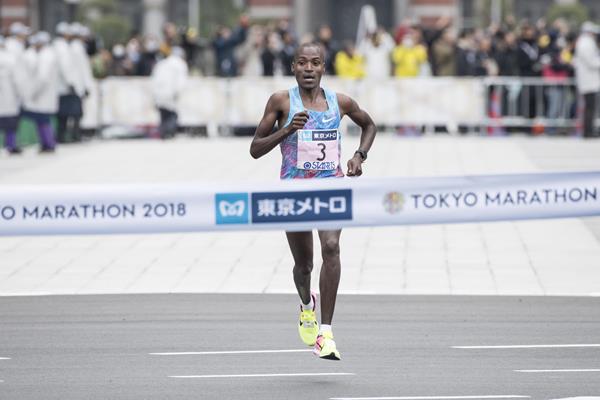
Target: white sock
{"x":308,"y":306}
{"x":324,"y":328}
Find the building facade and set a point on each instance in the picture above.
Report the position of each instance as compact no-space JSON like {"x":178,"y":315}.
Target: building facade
{"x":147,"y":16}
{"x":14,"y":11}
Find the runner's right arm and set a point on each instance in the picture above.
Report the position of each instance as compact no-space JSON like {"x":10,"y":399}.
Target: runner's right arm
{"x":264,"y":137}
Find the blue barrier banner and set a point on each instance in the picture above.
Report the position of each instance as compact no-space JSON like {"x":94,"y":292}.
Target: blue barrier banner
{"x":294,"y":205}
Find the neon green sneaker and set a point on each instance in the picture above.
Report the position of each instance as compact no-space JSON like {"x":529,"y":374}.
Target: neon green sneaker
{"x":325,"y":347}
{"x":308,"y":328}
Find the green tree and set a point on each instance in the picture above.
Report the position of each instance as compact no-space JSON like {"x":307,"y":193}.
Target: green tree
{"x":483,"y":10}
{"x":575,"y":14}
{"x":105,"y":20}
{"x":215,"y":13}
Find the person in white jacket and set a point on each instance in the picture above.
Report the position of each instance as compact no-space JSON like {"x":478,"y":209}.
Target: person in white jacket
{"x":41,"y":99}
{"x":587,"y":74}
{"x":83,"y":79}
{"x":168,"y":81}
{"x":10,"y":103}
{"x":69,"y":104}
{"x":16,"y":44}
{"x":377,"y":50}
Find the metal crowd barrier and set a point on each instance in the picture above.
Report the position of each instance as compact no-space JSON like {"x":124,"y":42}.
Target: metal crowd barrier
{"x":513,"y":102}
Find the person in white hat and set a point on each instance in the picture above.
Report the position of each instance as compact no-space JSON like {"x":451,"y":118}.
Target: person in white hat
{"x":587,"y":74}
{"x":16,"y":42}
{"x":83,"y":80}
{"x":41,"y":99}
{"x":69,"y":105}
{"x":168,"y":81}
{"x":10,"y":103}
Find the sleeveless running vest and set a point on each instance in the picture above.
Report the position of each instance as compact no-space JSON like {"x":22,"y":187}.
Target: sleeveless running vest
{"x":313,"y":152}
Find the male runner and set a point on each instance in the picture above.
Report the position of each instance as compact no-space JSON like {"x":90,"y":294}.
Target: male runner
{"x":308,"y":108}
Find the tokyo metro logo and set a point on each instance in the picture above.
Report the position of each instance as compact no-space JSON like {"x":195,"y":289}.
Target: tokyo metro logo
{"x":231,"y":208}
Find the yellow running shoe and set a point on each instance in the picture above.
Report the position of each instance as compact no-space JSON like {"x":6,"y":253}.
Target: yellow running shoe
{"x":325,"y":347}
{"x":308,"y":328}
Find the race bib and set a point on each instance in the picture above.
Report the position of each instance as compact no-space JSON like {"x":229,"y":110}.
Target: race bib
{"x":318,"y":149}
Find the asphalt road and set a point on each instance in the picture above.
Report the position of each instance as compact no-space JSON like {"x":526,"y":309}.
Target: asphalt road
{"x":98,"y":347}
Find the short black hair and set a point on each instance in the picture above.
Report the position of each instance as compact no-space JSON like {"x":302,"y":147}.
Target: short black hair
{"x":309,"y":44}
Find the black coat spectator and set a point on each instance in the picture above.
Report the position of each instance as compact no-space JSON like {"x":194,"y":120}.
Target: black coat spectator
{"x":485,"y":65}
{"x":146,"y":64}
{"x":268,"y":57}
{"x":528,"y":53}
{"x":528,"y":57}
{"x":330,"y":46}
{"x":225,"y":44}
{"x":505,"y":54}
{"x":286,"y":55}
{"x":189,"y":43}
{"x":466,"y":54}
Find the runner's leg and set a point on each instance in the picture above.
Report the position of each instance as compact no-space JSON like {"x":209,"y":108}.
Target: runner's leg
{"x":301,"y":245}
{"x":330,"y":273}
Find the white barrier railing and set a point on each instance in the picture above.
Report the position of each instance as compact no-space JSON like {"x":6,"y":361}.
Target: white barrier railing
{"x":475,"y":102}
{"x":295,"y":205}
{"x":241,"y":101}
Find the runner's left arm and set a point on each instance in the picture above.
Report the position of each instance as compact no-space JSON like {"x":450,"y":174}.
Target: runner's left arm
{"x":351,"y":108}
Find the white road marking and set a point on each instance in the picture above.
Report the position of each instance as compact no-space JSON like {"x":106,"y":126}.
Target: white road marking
{"x":580,"y":398}
{"x":190,"y":353}
{"x":557,"y":370}
{"x":264,"y":375}
{"x":4,"y":358}
{"x":530,"y":346}
{"x":434,"y":397}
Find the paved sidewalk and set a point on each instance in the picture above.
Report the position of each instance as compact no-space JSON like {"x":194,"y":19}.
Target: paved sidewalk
{"x":553,"y":257}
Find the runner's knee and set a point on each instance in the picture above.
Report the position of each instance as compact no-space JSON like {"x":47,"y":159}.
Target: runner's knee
{"x":330,"y":248}
{"x":304,"y":267}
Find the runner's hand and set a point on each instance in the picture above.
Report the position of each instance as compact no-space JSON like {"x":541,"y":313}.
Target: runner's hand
{"x":298,"y":121}
{"x":355,"y":166}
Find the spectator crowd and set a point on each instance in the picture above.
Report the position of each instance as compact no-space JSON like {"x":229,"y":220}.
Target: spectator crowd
{"x":412,"y":49}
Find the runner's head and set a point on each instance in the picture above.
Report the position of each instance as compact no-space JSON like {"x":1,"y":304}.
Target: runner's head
{"x":308,"y":65}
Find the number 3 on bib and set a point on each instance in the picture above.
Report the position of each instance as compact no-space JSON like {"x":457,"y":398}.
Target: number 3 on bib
{"x":318,"y":149}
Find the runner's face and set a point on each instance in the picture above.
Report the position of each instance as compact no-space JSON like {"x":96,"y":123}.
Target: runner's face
{"x":309,"y":67}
